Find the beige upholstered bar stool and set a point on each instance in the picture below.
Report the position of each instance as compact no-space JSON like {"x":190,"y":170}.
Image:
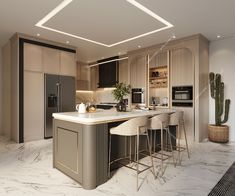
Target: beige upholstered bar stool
{"x":133,"y":127}
{"x":177,"y":119}
{"x":160,"y":123}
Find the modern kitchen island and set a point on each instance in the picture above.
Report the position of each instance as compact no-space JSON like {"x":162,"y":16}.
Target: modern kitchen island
{"x":80,"y":142}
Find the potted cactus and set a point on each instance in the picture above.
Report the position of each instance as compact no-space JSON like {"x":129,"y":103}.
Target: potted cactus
{"x":218,"y":132}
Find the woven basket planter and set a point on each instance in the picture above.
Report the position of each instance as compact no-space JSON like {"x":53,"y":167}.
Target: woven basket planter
{"x":218,"y":134}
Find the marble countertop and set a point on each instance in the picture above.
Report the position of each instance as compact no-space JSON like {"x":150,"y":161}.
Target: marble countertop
{"x":104,"y":116}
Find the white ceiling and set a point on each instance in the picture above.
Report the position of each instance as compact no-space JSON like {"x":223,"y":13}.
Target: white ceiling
{"x":111,"y":21}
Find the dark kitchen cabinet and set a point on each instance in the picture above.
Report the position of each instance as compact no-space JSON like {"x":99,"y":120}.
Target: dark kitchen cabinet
{"x":108,"y":73}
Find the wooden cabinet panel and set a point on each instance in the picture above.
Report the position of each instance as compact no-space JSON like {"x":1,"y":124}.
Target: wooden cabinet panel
{"x":67,"y":154}
{"x":182,"y":68}
{"x":68,"y":146}
{"x":51,"y":60}
{"x":67,"y":64}
{"x":189,"y":122}
{"x":83,"y":76}
{"x":32,"y":57}
{"x":94,"y":78}
{"x":33,"y":106}
{"x":123,"y":72}
{"x":138,"y":71}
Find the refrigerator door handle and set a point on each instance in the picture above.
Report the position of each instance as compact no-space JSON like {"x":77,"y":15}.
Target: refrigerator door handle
{"x":58,"y":96}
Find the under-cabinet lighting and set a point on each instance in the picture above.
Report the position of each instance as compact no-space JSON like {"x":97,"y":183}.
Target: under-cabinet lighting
{"x":83,"y":91}
{"x":132,"y":2}
{"x":109,"y":88}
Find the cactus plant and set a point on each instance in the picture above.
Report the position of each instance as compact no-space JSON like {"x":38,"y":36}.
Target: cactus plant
{"x":217,"y":93}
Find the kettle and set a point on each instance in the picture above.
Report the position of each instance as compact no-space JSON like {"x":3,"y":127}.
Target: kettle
{"x":165,"y":101}
{"x":81,"y":108}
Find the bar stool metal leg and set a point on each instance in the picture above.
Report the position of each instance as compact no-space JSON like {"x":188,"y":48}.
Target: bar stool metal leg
{"x":109,"y":155}
{"x":137,"y":160}
{"x":150,"y":153}
{"x":179,"y":137}
{"x":186,"y":141}
{"x":169,"y":136}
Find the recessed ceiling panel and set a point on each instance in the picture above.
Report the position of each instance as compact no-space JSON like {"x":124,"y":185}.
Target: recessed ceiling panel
{"x":104,"y":21}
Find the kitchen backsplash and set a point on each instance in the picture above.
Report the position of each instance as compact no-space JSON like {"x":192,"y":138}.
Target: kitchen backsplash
{"x":100,"y":96}
{"x":84,"y":96}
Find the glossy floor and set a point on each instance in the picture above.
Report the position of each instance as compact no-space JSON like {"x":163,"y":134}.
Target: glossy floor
{"x":26,"y":169}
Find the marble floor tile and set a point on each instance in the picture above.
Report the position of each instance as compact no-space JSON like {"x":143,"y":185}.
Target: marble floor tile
{"x":26,"y":169}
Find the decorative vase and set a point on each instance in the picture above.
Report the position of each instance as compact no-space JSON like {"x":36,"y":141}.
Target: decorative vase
{"x":219,"y":134}
{"x":121,"y":106}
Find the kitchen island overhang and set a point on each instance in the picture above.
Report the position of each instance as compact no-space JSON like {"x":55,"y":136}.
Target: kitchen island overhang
{"x":80,"y":143}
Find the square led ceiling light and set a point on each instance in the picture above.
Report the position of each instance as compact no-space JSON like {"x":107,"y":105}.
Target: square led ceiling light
{"x":103,"y":23}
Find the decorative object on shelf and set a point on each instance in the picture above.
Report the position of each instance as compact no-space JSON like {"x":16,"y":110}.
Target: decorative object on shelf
{"x":158,"y":76}
{"x":119,"y":92}
{"x":218,"y":132}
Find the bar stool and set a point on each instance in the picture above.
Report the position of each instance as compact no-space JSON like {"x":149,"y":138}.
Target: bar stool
{"x":177,"y":119}
{"x":133,"y":127}
{"x":156,"y":123}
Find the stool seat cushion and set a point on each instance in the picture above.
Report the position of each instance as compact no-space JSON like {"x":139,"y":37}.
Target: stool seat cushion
{"x":131,"y":127}
{"x":159,"y":121}
{"x":176,"y":118}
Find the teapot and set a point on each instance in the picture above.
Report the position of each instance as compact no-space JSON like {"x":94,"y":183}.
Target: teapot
{"x":81,"y":108}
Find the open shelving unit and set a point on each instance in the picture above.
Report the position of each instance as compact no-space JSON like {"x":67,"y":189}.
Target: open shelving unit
{"x":158,"y":80}
{"x":158,"y":77}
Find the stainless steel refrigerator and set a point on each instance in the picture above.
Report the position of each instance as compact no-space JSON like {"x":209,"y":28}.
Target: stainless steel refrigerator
{"x":59,"y":97}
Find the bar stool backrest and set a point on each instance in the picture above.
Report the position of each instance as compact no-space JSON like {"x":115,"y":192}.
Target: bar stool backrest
{"x":177,"y":118}
{"x":159,"y":120}
{"x":131,"y":127}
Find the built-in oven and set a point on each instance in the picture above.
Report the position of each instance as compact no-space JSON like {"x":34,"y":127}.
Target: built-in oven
{"x":137,"y":95}
{"x":182,"y":96}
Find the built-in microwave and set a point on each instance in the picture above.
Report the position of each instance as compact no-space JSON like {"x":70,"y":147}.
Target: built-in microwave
{"x":137,"y":95}
{"x":182,"y":96}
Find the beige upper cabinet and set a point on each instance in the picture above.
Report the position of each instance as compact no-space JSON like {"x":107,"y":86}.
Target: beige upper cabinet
{"x":67,"y":64}
{"x":138,"y":71}
{"x":51,"y":60}
{"x":32,"y":57}
{"x":123,"y":72}
{"x":94,"y":78}
{"x":182,"y":67}
{"x":83,"y":76}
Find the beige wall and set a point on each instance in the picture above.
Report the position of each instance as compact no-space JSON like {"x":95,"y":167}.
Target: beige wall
{"x":0,"y":92}
{"x":222,"y":60}
{"x":6,"y":90}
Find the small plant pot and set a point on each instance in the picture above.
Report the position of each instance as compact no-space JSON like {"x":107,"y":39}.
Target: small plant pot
{"x":219,"y":134}
{"x":121,"y":106}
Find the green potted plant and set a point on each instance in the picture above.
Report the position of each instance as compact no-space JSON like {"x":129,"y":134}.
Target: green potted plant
{"x":218,"y":132}
{"x":121,"y":90}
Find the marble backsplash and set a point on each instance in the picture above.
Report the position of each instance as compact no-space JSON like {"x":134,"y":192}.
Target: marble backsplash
{"x":100,"y":96}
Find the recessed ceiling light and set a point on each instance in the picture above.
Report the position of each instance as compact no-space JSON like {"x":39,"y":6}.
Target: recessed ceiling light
{"x":67,"y":42}
{"x":173,"y":36}
{"x":38,"y":34}
{"x":218,"y":36}
{"x":139,"y":46}
{"x":132,"y":2}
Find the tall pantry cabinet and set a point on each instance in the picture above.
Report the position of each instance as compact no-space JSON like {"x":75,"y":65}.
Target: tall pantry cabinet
{"x":31,"y":58}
